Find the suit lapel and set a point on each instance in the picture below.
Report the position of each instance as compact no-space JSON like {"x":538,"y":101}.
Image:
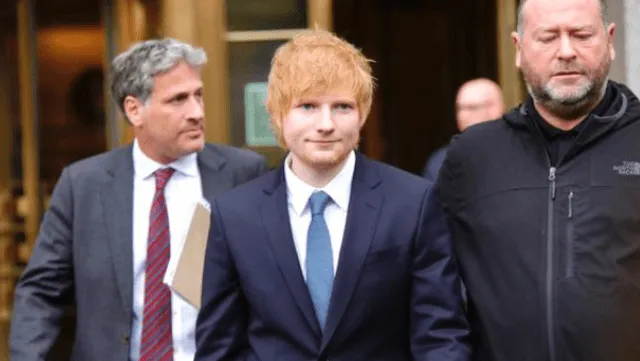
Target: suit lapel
{"x":117,"y":199}
{"x":364,"y":208}
{"x":275,"y":218}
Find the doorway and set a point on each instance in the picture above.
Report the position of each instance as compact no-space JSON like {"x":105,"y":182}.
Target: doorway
{"x":423,"y":51}
{"x":51,"y":114}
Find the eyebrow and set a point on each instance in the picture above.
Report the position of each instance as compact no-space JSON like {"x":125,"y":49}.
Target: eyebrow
{"x":554,"y":29}
{"x":183,"y":93}
{"x":584,"y":28}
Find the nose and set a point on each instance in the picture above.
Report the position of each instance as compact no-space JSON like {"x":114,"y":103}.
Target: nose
{"x":567,"y":50}
{"x":325,"y":122}
{"x":195,"y":109}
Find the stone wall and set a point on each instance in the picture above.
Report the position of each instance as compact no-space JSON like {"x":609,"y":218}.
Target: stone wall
{"x":632,"y":43}
{"x":626,"y":68}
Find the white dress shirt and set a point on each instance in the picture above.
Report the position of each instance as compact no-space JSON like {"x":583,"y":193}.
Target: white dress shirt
{"x":335,"y":213}
{"x":182,"y":193}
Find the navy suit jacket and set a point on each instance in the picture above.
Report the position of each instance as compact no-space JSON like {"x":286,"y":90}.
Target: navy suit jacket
{"x":434,"y":163}
{"x":396,"y":293}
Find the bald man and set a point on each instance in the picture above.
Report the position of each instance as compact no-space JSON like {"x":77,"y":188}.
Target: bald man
{"x":478,"y":100}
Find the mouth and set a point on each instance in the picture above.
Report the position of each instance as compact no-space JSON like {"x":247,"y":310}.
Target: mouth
{"x":193,"y":133}
{"x":567,"y":73}
{"x":323,"y":141}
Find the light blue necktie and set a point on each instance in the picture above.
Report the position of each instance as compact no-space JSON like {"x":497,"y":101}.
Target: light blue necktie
{"x":319,"y":257}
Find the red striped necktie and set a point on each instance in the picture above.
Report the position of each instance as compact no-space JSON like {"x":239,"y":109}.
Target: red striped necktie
{"x":157,"y":343}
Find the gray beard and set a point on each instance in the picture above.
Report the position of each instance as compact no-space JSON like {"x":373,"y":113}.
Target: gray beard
{"x":572,"y":108}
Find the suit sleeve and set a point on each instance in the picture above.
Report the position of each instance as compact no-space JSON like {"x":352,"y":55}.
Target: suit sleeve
{"x":221,"y":328}
{"x":439,"y":328}
{"x":45,"y":288}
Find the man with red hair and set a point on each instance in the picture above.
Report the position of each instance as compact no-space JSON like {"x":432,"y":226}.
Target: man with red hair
{"x":332,"y":256}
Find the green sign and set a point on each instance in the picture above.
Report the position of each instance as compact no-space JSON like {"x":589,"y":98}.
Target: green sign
{"x":257,"y":126}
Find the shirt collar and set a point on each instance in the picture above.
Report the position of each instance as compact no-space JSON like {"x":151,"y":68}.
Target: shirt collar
{"x":338,"y":189}
{"x":144,"y":166}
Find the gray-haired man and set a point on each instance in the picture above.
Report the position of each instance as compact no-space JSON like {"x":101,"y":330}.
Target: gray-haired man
{"x":106,"y":238}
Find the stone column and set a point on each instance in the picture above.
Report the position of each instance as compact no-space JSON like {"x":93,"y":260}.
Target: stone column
{"x":626,"y":68}
{"x":179,"y":20}
{"x":632,"y":43}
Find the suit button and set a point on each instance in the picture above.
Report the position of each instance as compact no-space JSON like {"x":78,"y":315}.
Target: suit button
{"x":125,"y":338}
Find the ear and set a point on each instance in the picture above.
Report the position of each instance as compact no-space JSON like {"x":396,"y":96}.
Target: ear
{"x":515,"y":37}
{"x":363,"y":120}
{"x":133,"y":109}
{"x":611,"y":29}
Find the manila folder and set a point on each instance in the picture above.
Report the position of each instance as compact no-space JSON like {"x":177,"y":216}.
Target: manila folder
{"x":187,"y":279}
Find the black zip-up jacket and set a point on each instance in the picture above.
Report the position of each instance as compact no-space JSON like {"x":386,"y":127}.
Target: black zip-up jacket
{"x":549,"y":253}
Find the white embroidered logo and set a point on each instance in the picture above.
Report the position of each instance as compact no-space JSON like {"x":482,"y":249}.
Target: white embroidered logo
{"x":628,"y":168}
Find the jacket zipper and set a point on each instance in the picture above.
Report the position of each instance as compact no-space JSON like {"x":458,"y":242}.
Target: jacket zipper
{"x":550,"y":326}
{"x":549,"y":276}
{"x":569,"y":241}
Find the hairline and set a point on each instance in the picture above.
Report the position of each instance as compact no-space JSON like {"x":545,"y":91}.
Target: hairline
{"x":149,"y":68}
{"x":520,"y":15}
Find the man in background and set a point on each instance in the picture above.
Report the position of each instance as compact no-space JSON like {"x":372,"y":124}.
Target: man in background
{"x":478,"y":100}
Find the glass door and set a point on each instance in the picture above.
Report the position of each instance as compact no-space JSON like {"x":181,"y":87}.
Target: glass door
{"x":9,"y":133}
{"x":52,"y":113}
{"x":17,"y":139}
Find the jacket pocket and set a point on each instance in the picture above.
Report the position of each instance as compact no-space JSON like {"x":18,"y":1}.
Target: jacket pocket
{"x":570,"y":237}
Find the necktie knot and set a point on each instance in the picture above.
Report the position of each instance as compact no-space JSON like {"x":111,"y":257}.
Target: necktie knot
{"x":317,"y":202}
{"x":162,"y":177}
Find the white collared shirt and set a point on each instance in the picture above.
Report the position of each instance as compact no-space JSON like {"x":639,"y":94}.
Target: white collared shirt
{"x":182,"y":192}
{"x":335,"y":214}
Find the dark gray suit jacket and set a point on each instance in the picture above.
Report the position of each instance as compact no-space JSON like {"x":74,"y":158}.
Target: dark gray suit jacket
{"x":84,"y":252}
{"x":432,"y":167}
